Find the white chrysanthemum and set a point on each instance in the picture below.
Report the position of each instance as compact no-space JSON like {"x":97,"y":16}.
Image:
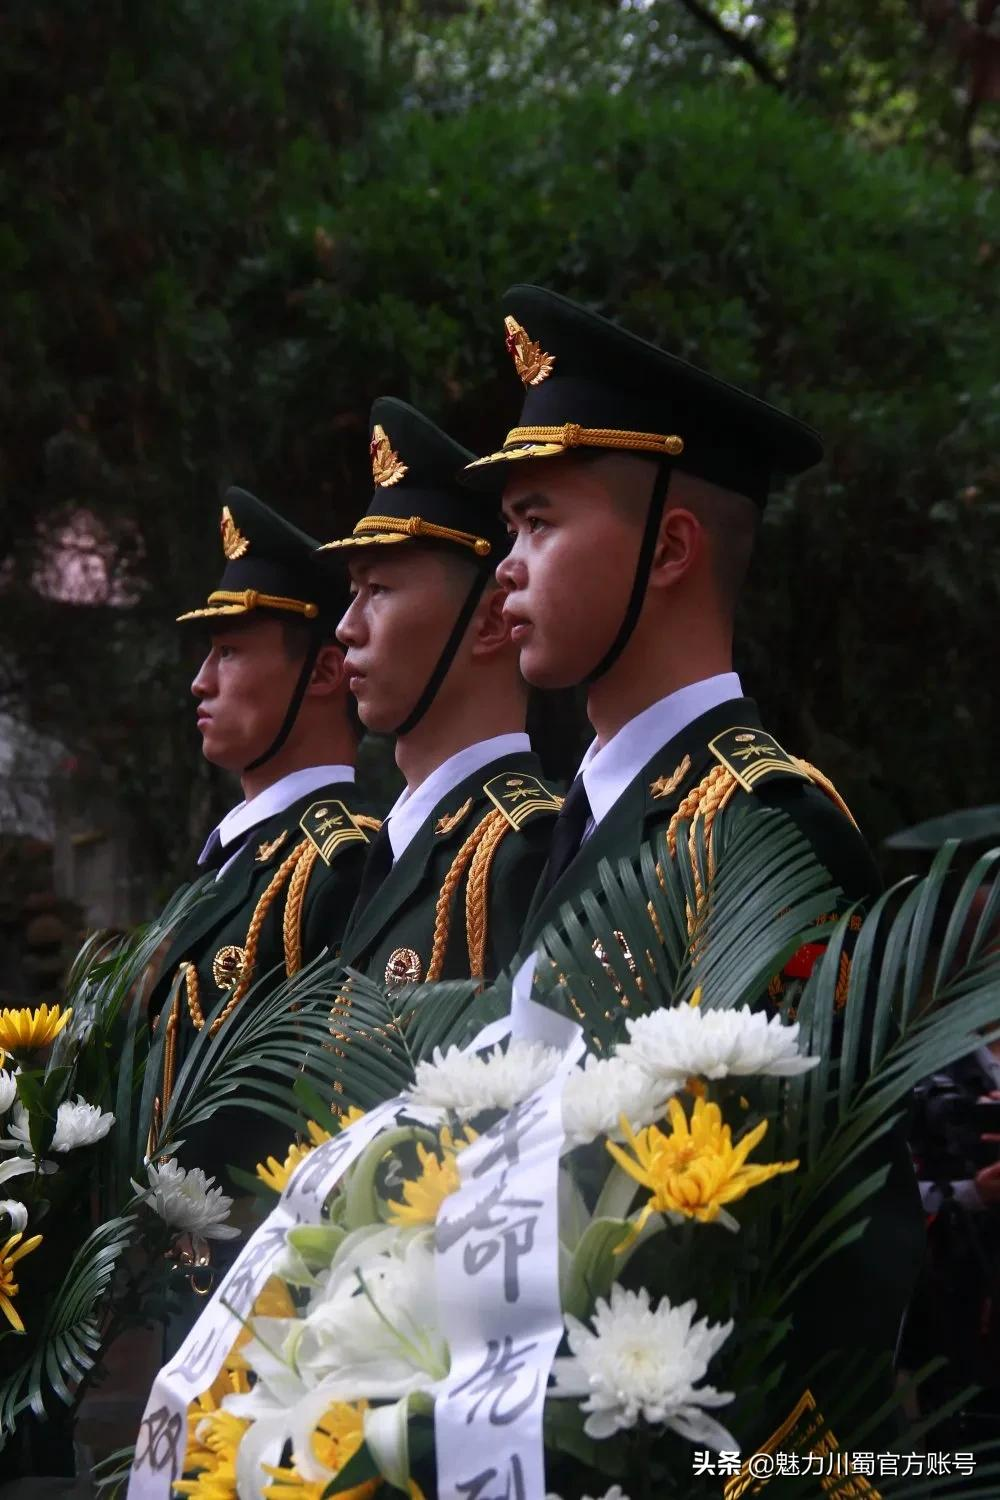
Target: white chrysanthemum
{"x":464,"y":1084}
{"x":8,"y":1090}
{"x":646,"y":1363}
{"x":685,"y":1041}
{"x":597,"y":1095}
{"x":77,"y":1124}
{"x":16,"y":1213}
{"x":186,"y":1200}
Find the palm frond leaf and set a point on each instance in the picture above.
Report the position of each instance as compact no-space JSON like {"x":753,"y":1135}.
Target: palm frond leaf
{"x":69,"y":1340}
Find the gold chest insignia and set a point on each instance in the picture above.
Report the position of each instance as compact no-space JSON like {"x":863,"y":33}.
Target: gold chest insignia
{"x":266,"y":849}
{"x":234,"y":543}
{"x":520,"y":797}
{"x":450,"y":821}
{"x":664,"y":785}
{"x":404,"y":967}
{"x":227,"y":966}
{"x":530,"y":360}
{"x":387,"y":466}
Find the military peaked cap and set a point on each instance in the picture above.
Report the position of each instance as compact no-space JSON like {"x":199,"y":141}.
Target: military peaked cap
{"x":590,"y":384}
{"x":271,"y":567}
{"x":419,"y":490}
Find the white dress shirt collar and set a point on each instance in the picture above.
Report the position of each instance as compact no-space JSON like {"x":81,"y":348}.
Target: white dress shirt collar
{"x":412,"y":809}
{"x":237,"y":824}
{"x":607,"y":770}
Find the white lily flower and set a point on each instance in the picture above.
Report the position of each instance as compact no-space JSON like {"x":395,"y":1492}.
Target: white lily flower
{"x":16,"y":1213}
{"x":8,"y":1089}
{"x":597,"y":1095}
{"x":684,"y":1041}
{"x":186,"y":1200}
{"x":370,"y":1332}
{"x":464,"y":1084}
{"x":641,"y":1362}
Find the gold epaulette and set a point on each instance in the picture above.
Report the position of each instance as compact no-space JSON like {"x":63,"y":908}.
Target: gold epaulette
{"x":804,"y":1432}
{"x":331,"y":826}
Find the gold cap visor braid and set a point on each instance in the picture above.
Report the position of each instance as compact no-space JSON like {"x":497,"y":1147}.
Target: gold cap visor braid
{"x":549,"y":442}
{"x":242,"y":602}
{"x":373,"y":531}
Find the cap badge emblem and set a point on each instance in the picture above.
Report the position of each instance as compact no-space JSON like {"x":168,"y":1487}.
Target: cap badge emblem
{"x":234,"y":543}
{"x":530,"y":360}
{"x":387,"y":466}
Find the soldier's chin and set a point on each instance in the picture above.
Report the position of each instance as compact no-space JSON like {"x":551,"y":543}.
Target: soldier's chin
{"x":547,"y":669}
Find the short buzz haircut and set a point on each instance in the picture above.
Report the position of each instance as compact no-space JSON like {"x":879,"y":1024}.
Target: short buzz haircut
{"x":731,"y":520}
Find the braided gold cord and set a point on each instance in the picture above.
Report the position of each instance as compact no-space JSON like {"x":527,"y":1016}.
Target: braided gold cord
{"x":273,"y":890}
{"x":825,"y":785}
{"x":291,"y":925}
{"x":703,"y":802}
{"x":161,"y":1105}
{"x":363,"y":820}
{"x":477,"y":902}
{"x":442,"y":911}
{"x":572,"y":435}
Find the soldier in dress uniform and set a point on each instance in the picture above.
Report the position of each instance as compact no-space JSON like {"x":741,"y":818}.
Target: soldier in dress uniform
{"x":273,"y":709}
{"x":431,"y":661}
{"x":634,"y":487}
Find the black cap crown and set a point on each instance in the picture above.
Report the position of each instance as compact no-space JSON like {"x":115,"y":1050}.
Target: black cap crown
{"x":419,"y":492}
{"x":271,"y":567}
{"x":590,"y":384}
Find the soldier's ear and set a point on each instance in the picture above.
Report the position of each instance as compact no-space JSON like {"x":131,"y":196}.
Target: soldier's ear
{"x":328,"y":672}
{"x":680,"y":547}
{"x":490,"y":628}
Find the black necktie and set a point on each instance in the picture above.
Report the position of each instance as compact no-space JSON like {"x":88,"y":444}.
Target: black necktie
{"x":215,"y":858}
{"x":377,"y":866}
{"x":567,"y":835}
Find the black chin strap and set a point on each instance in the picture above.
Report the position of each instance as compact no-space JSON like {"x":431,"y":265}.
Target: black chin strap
{"x":295,"y":703}
{"x":447,"y":656}
{"x":643,"y":566}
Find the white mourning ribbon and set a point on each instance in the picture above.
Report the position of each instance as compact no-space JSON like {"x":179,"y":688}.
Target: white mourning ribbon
{"x":497,"y":1276}
{"x":162,"y":1441}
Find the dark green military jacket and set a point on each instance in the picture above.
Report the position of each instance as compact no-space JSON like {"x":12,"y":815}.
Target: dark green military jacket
{"x":453,"y":905}
{"x":284,"y":899}
{"x":859,"y":1297}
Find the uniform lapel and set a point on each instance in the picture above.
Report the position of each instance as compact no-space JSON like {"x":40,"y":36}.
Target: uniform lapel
{"x":233,"y":889}
{"x":622,"y":832}
{"x":410,"y":869}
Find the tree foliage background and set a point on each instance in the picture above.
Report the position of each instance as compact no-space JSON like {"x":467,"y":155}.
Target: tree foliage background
{"x":225,"y":229}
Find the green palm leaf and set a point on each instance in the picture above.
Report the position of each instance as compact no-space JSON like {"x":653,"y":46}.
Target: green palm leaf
{"x":69,"y":1340}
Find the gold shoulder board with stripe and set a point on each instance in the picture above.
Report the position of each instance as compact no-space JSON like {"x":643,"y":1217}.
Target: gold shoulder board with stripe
{"x":520,"y":797}
{"x":753,"y":756}
{"x":330,"y":826}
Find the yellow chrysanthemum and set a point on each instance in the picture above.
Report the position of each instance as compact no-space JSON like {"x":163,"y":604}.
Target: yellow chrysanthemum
{"x":26,"y":1030}
{"x":351,"y":1116}
{"x":438,"y":1179}
{"x":336,"y":1439}
{"x":213,"y":1438}
{"x":695,"y":1169}
{"x":276,"y":1173}
{"x":10,"y":1254}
